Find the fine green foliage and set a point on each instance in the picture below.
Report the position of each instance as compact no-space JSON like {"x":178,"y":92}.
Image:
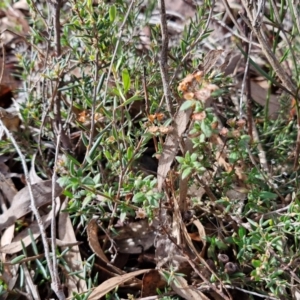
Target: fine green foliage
{"x":92,"y":87}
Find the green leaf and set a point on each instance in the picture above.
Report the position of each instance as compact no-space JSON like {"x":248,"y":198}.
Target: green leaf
{"x":88,"y":181}
{"x":242,"y":232}
{"x":194,"y":157}
{"x":112,"y":13}
{"x":256,"y":263}
{"x":17,"y":259}
{"x":206,"y":129}
{"x":187,"y":104}
{"x":267,"y":195}
{"x":63,"y":181}
{"x":132,"y":99}
{"x":74,"y":160}
{"x":126,"y":80}
{"x":138,"y":197}
{"x":233,"y":157}
{"x":130,"y":153}
{"x":180,"y":159}
{"x":186,"y":172}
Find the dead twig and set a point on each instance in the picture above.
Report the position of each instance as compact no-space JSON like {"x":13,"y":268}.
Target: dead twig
{"x":163,"y":62}
{"x":254,"y":24}
{"x":55,"y":281}
{"x":57,"y":289}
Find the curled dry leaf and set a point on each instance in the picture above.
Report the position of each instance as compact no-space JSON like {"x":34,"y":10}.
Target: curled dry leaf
{"x":7,"y":188}
{"x":202,"y":235}
{"x":152,"y":281}
{"x":66,"y":233}
{"x":180,"y":286}
{"x":111,"y":283}
{"x":30,"y":285}
{"x":181,"y":120}
{"x":24,"y":239}
{"x":92,"y":232}
{"x":42,"y":193}
{"x":34,"y":178}
{"x":10,"y":120}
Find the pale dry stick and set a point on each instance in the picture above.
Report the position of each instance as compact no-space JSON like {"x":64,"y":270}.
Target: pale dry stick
{"x":261,"y":152}
{"x":163,"y":62}
{"x":245,"y":77}
{"x":232,"y":18}
{"x":259,"y":13}
{"x":244,"y":39}
{"x":59,"y":293}
{"x":56,"y":284}
{"x":267,"y":51}
{"x":284,"y":32}
{"x":115,"y":52}
{"x":243,"y":290}
{"x":194,"y":44}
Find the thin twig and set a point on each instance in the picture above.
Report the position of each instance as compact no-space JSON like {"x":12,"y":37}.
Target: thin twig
{"x":34,"y":209}
{"x":246,"y":83}
{"x":244,"y":39}
{"x":163,"y":62}
{"x":204,"y":287}
{"x":56,"y":285}
{"x":56,"y":6}
{"x":278,"y":69}
{"x":232,"y":18}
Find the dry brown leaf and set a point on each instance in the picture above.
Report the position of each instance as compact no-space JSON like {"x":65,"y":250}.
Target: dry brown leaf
{"x":10,"y":120}
{"x":92,"y":232}
{"x":72,"y":257}
{"x":181,"y":288}
{"x":111,"y":283}
{"x":171,"y":145}
{"x":8,"y":81}
{"x":7,"y":188}
{"x":202,"y":235}
{"x":195,"y":236}
{"x":260,"y":95}
{"x":42,"y":193}
{"x":24,"y":236}
{"x":6,"y":240}
{"x":151,"y":281}
{"x":34,"y":178}
{"x":31,"y":286}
